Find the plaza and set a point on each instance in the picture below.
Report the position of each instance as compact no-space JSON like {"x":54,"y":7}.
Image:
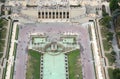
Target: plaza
{"x":53,"y":31}
{"x":54,"y":40}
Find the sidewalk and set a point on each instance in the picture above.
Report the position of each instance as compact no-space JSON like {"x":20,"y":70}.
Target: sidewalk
{"x":11,"y":57}
{"x":96,"y":54}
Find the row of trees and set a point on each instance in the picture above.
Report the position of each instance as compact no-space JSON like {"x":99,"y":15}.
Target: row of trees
{"x":115,"y":10}
{"x":114,"y":5}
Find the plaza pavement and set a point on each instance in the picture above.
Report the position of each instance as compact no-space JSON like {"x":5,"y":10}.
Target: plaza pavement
{"x":53,"y":30}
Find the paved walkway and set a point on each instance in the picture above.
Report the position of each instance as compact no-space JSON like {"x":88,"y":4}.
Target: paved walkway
{"x":102,"y":48}
{"x":96,"y":54}
{"x":11,"y":57}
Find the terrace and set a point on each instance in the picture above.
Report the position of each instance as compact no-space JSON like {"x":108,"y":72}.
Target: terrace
{"x":53,"y":34}
{"x":52,"y":52}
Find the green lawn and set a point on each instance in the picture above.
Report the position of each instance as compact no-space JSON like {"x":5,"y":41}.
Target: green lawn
{"x":17,"y":33}
{"x":1,"y":54}
{"x":110,"y":72}
{"x":3,"y":33}
{"x":110,"y":58}
{"x":1,"y":49}
{"x":107,"y":37}
{"x":12,"y":71}
{"x":2,"y":43}
{"x":75,"y":68}
{"x":33,"y":65}
{"x":104,"y":31}
{"x":4,"y":73}
{"x":15,"y":49}
{"x":106,"y":45}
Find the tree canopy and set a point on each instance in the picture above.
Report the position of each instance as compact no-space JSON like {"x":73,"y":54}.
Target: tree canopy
{"x":105,"y":21}
{"x":116,"y":73}
{"x":114,"y":5}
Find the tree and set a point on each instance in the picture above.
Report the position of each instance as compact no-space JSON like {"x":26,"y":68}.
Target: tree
{"x":116,"y":73}
{"x":115,"y":16}
{"x":111,"y":59}
{"x":105,"y":21}
{"x":109,"y":38}
{"x":113,"y":53}
{"x":113,"y":5}
{"x":116,"y":13}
